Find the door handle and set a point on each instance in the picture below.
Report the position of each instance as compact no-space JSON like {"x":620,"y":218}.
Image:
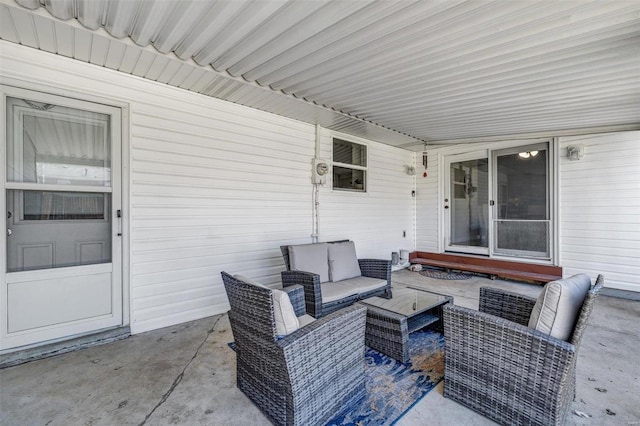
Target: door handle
{"x":9,"y":231}
{"x":119,"y":215}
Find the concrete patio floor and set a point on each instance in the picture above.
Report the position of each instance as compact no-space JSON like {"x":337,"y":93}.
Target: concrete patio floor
{"x":185,"y":374}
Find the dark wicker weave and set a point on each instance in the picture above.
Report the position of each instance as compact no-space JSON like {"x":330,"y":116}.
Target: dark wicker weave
{"x":496,"y":365}
{"x":373,"y":268}
{"x":388,"y":332}
{"x":304,"y":377}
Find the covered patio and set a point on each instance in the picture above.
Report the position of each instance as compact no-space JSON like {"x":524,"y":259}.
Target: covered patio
{"x":150,"y":145}
{"x":185,"y":374}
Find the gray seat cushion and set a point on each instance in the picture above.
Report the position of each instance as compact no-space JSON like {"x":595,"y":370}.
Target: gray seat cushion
{"x":312,"y":258}
{"x":556,"y":310}
{"x":343,"y":262}
{"x":334,"y":291}
{"x":363,"y":284}
{"x":305,"y":320}
{"x":351,"y":287}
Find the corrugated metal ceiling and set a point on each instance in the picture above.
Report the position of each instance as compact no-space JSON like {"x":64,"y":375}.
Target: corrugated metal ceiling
{"x":399,"y":72}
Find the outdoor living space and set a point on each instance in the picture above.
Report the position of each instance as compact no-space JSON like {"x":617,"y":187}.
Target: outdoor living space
{"x":160,"y":160}
{"x":185,"y":374}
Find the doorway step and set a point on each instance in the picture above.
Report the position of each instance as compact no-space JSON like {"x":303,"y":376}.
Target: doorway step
{"x":539,"y":274}
{"x":18,"y":357}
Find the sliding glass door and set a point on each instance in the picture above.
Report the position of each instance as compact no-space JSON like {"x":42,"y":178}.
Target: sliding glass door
{"x":522,"y":213}
{"x":499,"y":203}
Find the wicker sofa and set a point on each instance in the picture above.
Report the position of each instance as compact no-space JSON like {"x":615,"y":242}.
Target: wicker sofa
{"x":501,"y":361}
{"x":302,"y":378}
{"x":324,"y":293}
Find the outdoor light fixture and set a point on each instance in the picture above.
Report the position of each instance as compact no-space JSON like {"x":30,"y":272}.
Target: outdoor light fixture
{"x":575,"y":152}
{"x":528,"y":154}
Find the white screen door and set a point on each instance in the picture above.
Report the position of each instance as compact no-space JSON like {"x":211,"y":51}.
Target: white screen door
{"x":522,"y":217}
{"x":62,"y":268}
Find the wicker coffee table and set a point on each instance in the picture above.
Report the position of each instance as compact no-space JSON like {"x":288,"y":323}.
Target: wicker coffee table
{"x":390,"y":321}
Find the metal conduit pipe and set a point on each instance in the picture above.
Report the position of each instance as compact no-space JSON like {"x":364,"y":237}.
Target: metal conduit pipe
{"x":316,"y":195}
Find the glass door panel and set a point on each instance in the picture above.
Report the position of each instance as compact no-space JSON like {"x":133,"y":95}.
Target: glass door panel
{"x":467,"y":203}
{"x":66,"y":152}
{"x":522,"y":217}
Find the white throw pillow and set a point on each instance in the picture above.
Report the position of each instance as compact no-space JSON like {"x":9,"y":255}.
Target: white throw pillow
{"x":283,"y":312}
{"x":557,"y":308}
{"x":343,"y":262}
{"x":285,"y":316}
{"x":310,"y":258}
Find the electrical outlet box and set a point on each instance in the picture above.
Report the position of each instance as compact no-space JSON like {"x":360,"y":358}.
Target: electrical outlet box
{"x":320,"y":170}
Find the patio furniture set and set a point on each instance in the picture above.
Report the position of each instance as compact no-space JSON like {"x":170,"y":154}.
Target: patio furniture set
{"x":300,"y":350}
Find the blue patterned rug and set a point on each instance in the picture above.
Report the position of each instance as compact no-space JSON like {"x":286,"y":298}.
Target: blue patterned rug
{"x":393,"y":387}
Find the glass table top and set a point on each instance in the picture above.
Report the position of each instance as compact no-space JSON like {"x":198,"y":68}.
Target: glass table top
{"x":408,"y":301}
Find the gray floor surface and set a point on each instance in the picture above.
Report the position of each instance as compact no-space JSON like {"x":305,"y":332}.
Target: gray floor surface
{"x":185,"y":374}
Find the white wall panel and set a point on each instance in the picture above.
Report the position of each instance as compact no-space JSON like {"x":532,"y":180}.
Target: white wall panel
{"x":600,"y":208}
{"x":374,"y":220}
{"x":428,"y":204}
{"x":218,"y":186}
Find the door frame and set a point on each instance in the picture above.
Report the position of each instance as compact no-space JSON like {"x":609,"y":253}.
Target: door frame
{"x":18,"y":87}
{"x":446,"y":240}
{"x":461,"y":152}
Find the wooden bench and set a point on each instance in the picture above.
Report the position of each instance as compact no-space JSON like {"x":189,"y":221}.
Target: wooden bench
{"x":492,"y":267}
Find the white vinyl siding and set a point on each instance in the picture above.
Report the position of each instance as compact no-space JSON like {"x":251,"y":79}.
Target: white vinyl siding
{"x":374,"y":220}
{"x":600,"y":208}
{"x":217,"y":186}
{"x":428,"y":204}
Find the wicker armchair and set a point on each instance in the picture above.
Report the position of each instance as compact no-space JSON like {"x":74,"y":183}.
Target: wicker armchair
{"x":302,"y":378}
{"x":372,"y":268}
{"x":499,"y":367}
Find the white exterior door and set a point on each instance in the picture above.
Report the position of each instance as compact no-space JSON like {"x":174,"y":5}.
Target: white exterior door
{"x":62,"y":202}
{"x":466,"y":203}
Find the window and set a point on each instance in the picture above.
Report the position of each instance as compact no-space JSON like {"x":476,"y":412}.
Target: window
{"x":59,"y":185}
{"x":56,"y":205}
{"x":349,"y":166}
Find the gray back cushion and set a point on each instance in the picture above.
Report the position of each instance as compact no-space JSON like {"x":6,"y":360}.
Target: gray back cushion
{"x":310,"y":258}
{"x":343,"y":262}
{"x":283,"y":312}
{"x":557,"y":308}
